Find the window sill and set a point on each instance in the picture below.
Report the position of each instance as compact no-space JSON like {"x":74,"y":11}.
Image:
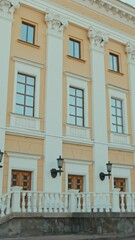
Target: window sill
{"x":115,"y":72}
{"x":119,"y":138}
{"x":28,"y":44}
{"x":77,"y":131}
{"x":24,"y":122}
{"x":76,"y":59}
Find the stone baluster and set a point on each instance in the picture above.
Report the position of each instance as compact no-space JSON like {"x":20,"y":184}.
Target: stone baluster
{"x":61,"y":203}
{"x":40,"y":196}
{"x":66,"y":203}
{"x":122,"y":195}
{"x":8,"y":210}
{"x":46,"y":202}
{"x":133,"y":202}
{"x":23,"y":201}
{"x":34,"y":201}
{"x":83,"y":202}
{"x":56,"y":202}
{"x":88,"y":202}
{"x":116,"y":200}
{"x":16,"y":199}
{"x":3,"y":206}
{"x":128,"y":202}
{"x":29,"y":202}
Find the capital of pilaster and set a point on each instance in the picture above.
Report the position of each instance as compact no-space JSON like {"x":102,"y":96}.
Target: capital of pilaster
{"x":130,"y":50}
{"x":97,"y":38}
{"x":9,"y":6}
{"x":55,"y":21}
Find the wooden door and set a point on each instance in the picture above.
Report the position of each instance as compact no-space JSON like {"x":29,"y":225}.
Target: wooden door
{"x":75,"y":182}
{"x":120,"y":183}
{"x":22,"y":179}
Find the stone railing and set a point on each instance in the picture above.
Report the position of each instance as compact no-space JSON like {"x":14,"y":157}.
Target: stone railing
{"x":72,"y":201}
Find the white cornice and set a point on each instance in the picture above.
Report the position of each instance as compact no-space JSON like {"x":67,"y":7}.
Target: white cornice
{"x":111,"y":8}
{"x":83,"y":21}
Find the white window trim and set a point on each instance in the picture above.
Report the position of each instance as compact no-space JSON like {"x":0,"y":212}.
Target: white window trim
{"x":113,"y":93}
{"x":23,"y":162}
{"x":78,"y":83}
{"x":121,"y":171}
{"x":81,"y":168}
{"x":24,"y":68}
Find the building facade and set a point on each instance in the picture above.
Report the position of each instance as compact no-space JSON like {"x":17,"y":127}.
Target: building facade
{"x":67,"y":89}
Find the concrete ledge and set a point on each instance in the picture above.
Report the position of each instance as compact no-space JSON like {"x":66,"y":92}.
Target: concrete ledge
{"x":43,"y":224}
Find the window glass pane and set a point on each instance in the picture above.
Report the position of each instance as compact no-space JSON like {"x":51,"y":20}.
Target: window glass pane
{"x":115,"y":63}
{"x":79,"y":93}
{"x":30,"y":80}
{"x":113,"y":110}
{"x":29,"y":111}
{"x":114,"y":119}
{"x":79,"y":121}
{"x":120,"y":129}
{"x":114,"y":128}
{"x":29,"y":101}
{"x":71,"y":91}
{"x":72,"y":110}
{"x":72,"y":100}
{"x":72,"y":120}
{"x":19,"y":109}
{"x":79,"y":102}
{"x":119,"y":103}
{"x":20,"y":99}
{"x":21,"y":78}
{"x":77,"y":50}
{"x":24,"y":32}
{"x":70,"y":47}
{"x":119,"y":112}
{"x":30,"y":90}
{"x":112,"y":102}
{"x":79,"y":112}
{"x":119,"y":120}
{"x":111,"y":62}
{"x":30,"y":34}
{"x":20,"y":88}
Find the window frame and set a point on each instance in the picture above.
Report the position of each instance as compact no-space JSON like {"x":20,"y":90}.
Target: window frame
{"x":76,"y":107}
{"x":73,"y":40}
{"x":116,"y":107}
{"x":26,"y":95}
{"x":119,"y":94}
{"x":113,"y":56}
{"x":28,"y":24}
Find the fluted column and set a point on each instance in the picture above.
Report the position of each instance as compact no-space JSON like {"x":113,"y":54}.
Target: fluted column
{"x":97,"y":64}
{"x":53,"y":98}
{"x":130,"y":50}
{"x":7,"y":8}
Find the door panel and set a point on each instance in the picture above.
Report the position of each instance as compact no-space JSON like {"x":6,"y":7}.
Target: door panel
{"x":22,"y":179}
{"x":120,"y":183}
{"x":75,"y":182}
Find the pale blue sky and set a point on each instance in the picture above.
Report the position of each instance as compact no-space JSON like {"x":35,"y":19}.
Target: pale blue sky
{"x":132,"y":2}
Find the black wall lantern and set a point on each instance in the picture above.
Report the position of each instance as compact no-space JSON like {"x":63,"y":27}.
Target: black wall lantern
{"x":55,"y":171}
{"x":109,"y":169}
{"x":1,"y":155}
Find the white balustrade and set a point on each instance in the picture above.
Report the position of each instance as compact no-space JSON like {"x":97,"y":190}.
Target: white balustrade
{"x":72,"y":201}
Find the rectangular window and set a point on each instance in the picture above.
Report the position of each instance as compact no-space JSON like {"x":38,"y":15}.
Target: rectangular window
{"x":117,"y":115}
{"x":28,"y":33}
{"x":76,"y":106}
{"x":114,"y":62}
{"x":25,"y":95}
{"x":74,"y":48}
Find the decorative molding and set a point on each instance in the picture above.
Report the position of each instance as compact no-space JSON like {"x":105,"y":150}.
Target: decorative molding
{"x":78,"y":77}
{"x":9,"y":6}
{"x":55,"y":20}
{"x":28,"y":62}
{"x":97,"y":38}
{"x":130,"y":50}
{"x":111,"y":8}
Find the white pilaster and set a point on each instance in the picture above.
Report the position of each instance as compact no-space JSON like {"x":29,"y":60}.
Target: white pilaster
{"x":130,"y":50}
{"x":53,"y":110}
{"x":7,"y":7}
{"x":97,"y":42}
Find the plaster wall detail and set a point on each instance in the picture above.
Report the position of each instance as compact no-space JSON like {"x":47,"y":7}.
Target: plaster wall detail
{"x":97,"y":43}
{"x":7,"y":7}
{"x":53,"y":108}
{"x":130,"y":50}
{"x":5,"y":41}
